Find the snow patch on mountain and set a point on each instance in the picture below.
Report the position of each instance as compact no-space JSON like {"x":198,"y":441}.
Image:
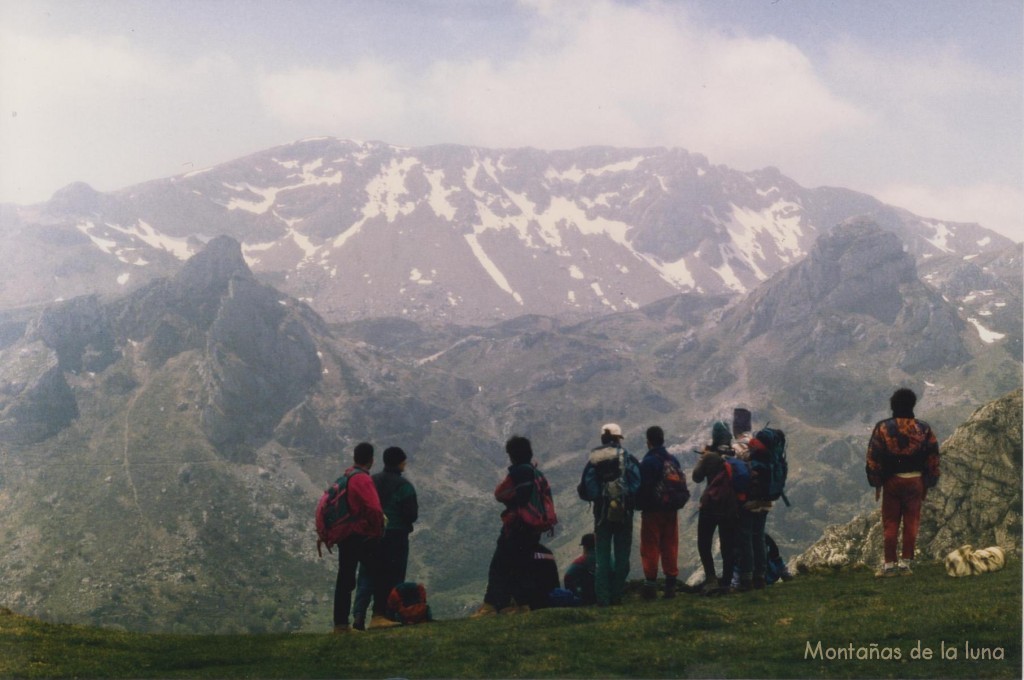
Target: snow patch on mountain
{"x":987,"y":336}
{"x":941,"y":235}
{"x":491,"y":268}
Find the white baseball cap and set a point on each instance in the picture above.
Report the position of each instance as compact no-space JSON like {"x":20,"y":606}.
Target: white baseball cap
{"x":612,"y":429}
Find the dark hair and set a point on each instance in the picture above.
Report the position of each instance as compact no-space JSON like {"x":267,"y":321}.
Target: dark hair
{"x":607,"y":438}
{"x":655,"y":435}
{"x":902,"y":403}
{"x":588,"y":541}
{"x":364,"y":453}
{"x":393,"y":456}
{"x":519,"y":449}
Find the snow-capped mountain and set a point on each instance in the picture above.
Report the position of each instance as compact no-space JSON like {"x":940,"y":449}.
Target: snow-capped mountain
{"x":463,"y":234}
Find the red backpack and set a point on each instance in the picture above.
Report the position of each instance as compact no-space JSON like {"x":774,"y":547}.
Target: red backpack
{"x":333,"y":516}
{"x":407,"y":603}
{"x":539,"y":512}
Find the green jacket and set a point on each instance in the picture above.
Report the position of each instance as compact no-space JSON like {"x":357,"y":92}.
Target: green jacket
{"x":398,"y":498}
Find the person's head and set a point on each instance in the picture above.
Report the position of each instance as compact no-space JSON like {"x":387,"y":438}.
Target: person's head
{"x":611,"y":434}
{"x":902,"y":403}
{"x":393,"y":458}
{"x":519,"y":450}
{"x":587,"y":542}
{"x":655,"y":437}
{"x":741,"y":421}
{"x":363,"y":455}
{"x":721,"y":434}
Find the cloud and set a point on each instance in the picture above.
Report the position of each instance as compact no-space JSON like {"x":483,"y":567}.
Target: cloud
{"x":994,"y":206}
{"x":372,"y":100}
{"x":595,"y":73}
{"x":102,"y":110}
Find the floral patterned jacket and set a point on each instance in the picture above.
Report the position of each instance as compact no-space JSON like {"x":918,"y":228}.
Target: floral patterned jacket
{"x":902,"y":445}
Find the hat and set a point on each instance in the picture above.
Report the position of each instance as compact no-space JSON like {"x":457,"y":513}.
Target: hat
{"x":720,"y":434}
{"x":393,"y":456}
{"x":612,"y":429}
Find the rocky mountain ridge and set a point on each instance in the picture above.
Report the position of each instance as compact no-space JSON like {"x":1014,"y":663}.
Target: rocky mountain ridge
{"x":453,"y":233}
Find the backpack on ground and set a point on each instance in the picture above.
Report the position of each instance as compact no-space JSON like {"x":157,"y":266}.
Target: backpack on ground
{"x":333,"y":514}
{"x":407,"y":604}
{"x":610,"y":470}
{"x":539,"y":512}
{"x":774,"y":468}
{"x":671,"y":492}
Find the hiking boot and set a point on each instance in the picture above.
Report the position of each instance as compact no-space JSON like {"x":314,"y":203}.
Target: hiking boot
{"x":511,"y":609}
{"x":359,"y":623}
{"x":381,"y":621}
{"x":887,"y":570}
{"x":344,"y":630}
{"x":670,"y":587}
{"x":903,"y":568}
{"x":486,"y":609}
{"x":649,"y":591}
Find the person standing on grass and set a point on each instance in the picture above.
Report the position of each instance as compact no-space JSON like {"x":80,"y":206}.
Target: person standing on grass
{"x":663,"y":493}
{"x":391,"y":557}
{"x":610,"y":481}
{"x":719,"y":509}
{"x":902,"y":464}
{"x":357,"y":533}
{"x":529,"y":511}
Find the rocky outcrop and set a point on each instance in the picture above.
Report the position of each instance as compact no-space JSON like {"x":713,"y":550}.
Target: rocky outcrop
{"x":35,"y":399}
{"x":261,"y":361}
{"x":856,"y":269}
{"x":79,"y":331}
{"x":977,"y":500}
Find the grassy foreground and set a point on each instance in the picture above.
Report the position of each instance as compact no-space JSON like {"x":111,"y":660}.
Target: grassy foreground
{"x":866,"y":627}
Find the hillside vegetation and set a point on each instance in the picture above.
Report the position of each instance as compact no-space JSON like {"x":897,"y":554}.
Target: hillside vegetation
{"x":836,"y":624}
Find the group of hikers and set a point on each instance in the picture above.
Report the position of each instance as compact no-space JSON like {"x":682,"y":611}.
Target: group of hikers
{"x":369,"y":519}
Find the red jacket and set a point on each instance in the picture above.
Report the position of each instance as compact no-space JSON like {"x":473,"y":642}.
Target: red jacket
{"x":364,"y":504}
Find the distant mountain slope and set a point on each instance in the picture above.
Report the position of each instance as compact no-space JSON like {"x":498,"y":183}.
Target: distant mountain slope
{"x":162,"y":451}
{"x":977,"y":500}
{"x":471,"y":235}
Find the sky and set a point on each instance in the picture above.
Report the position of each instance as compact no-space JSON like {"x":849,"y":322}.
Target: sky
{"x":916,"y":102}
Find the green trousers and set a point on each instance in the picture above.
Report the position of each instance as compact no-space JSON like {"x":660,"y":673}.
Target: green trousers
{"x":612,"y":545}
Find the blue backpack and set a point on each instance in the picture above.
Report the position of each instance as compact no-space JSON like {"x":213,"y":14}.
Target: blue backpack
{"x":739,"y":474}
{"x":774,"y":468}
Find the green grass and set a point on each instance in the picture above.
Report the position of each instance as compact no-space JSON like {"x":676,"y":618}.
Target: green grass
{"x":753,"y":635}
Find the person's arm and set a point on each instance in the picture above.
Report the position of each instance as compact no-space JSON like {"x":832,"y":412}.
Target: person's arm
{"x":408,"y":506}
{"x":588,"y":489}
{"x":931,"y":469}
{"x":876,"y":451}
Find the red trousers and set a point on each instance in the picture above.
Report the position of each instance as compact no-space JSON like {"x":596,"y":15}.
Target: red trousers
{"x":659,"y":541}
{"x":901,"y":500}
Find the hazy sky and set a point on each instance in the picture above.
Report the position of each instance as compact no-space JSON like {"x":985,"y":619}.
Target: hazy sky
{"x":918,"y":102}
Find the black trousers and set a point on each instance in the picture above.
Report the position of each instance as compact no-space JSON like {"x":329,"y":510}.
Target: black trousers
{"x":510,"y":575}
{"x":392,"y":559}
{"x":352,"y":552}
{"x":728,"y":539}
